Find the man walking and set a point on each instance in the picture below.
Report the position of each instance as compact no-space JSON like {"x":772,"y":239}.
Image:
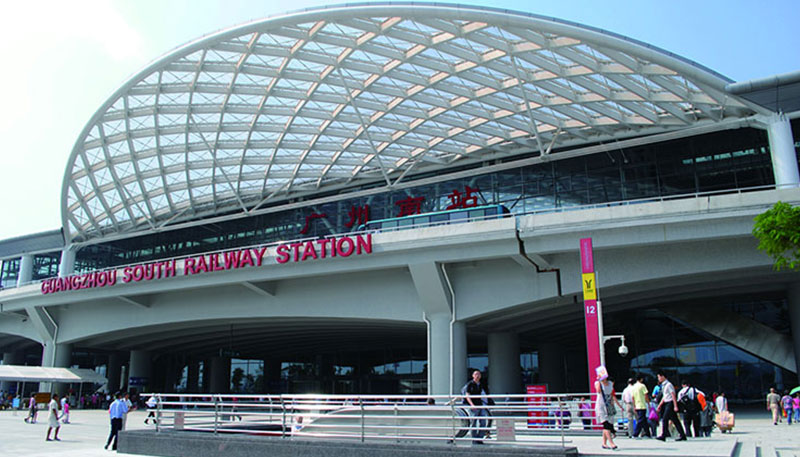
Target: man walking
{"x":669,"y":409}
{"x":473,"y":392}
{"x":773,"y":404}
{"x":640,"y":400}
{"x":786,"y":402}
{"x":627,"y":405}
{"x":688,"y":399}
{"x":116,"y":411}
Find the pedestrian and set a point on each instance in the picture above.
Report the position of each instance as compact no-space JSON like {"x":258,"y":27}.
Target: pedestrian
{"x":65,"y":409}
{"x":127,"y":399}
{"x":690,"y":405}
{"x":640,"y":401}
{"x":788,"y":406}
{"x":652,"y":417}
{"x":796,"y":407}
{"x":52,"y":418}
{"x":706,"y":418}
{"x":116,"y":411}
{"x":773,"y":404}
{"x":585,"y":411}
{"x":668,"y":409}
{"x":151,"y":403}
{"x":473,"y":392}
{"x":604,"y":410}
{"x":32,"y":412}
{"x":627,"y":405}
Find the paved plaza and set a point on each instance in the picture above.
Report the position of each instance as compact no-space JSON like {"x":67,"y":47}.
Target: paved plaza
{"x":87,"y":433}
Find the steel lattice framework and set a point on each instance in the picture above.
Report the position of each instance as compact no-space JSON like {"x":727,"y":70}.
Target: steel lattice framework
{"x":334,"y":98}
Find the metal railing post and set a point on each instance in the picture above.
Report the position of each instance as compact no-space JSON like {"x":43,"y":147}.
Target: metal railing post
{"x":283,"y":417}
{"x":396,"y":425}
{"x":563,"y":421}
{"x":216,"y":413}
{"x":158,"y":413}
{"x":452,"y":421}
{"x":361,"y":404}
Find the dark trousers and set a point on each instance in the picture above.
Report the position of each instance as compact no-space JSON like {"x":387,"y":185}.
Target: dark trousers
{"x":116,"y":426}
{"x":668,"y":414}
{"x":692,"y":422}
{"x":641,"y":423}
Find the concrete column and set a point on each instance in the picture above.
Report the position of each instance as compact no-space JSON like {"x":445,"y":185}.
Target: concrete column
{"x":439,"y":354}
{"x":206,"y":381}
{"x":67,"y":265}
{"x":113,"y":371}
{"x":444,"y":377}
{"x":25,"y":270}
{"x":551,"y":366}
{"x":793,"y":299}
{"x":781,"y":146}
{"x":505,"y":374}
{"x":460,"y":375}
{"x":58,"y":356}
{"x":140,"y":370}
{"x":220,"y":376}
{"x":193,"y":376}
{"x":11,"y":358}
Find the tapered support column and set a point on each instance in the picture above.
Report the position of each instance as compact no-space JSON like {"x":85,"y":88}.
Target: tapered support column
{"x":220,"y":377}
{"x":25,"y":270}
{"x":551,"y":366}
{"x":113,"y":372}
{"x":67,"y":264}
{"x":193,"y":376}
{"x":781,"y":146}
{"x":505,"y":374}
{"x":58,"y":356}
{"x":140,"y":371}
{"x":459,"y":364}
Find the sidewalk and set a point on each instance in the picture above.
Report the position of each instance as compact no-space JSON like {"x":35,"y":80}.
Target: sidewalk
{"x":88,"y":432}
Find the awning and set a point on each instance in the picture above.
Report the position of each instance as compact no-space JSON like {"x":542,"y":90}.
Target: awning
{"x":45,"y":374}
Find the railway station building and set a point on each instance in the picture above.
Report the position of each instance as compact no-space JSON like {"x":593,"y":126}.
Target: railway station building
{"x":376,"y":198}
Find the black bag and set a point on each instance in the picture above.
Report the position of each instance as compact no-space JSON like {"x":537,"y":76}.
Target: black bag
{"x":689,"y":405}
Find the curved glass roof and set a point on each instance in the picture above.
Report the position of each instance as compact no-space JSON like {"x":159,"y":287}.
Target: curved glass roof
{"x":338,"y":97}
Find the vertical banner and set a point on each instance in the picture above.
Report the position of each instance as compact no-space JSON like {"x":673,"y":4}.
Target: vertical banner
{"x":590,"y":311}
{"x":537,"y":405}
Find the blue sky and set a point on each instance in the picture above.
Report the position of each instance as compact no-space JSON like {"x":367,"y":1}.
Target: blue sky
{"x":62,"y":60}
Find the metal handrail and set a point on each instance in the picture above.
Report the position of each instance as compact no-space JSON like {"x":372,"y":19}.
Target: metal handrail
{"x":527,"y":418}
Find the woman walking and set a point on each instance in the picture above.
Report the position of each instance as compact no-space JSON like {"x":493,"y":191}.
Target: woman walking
{"x":604,"y":407}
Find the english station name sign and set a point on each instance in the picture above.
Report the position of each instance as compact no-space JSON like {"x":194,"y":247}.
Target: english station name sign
{"x":343,"y":246}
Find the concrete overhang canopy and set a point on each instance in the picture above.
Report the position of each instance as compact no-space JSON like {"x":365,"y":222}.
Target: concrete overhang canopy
{"x":335,"y":98}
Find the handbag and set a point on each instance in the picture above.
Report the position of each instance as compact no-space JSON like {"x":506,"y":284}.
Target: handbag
{"x":610,"y":410}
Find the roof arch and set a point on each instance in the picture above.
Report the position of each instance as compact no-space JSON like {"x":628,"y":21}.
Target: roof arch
{"x":342,"y":96}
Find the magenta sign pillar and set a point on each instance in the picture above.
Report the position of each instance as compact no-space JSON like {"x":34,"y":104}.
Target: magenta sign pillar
{"x":590,"y":311}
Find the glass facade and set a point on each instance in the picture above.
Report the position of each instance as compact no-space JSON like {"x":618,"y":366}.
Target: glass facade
{"x":44,"y":266}
{"x":713,"y":162}
{"x":682,"y":352}
{"x":9,"y":272}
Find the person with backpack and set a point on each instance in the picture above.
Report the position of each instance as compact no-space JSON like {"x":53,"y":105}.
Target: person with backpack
{"x":690,"y":406}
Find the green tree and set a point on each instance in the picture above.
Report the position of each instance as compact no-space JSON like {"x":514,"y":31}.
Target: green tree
{"x":778,"y":234}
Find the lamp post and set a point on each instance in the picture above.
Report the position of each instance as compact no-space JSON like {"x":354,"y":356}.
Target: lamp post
{"x":623,"y":350}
